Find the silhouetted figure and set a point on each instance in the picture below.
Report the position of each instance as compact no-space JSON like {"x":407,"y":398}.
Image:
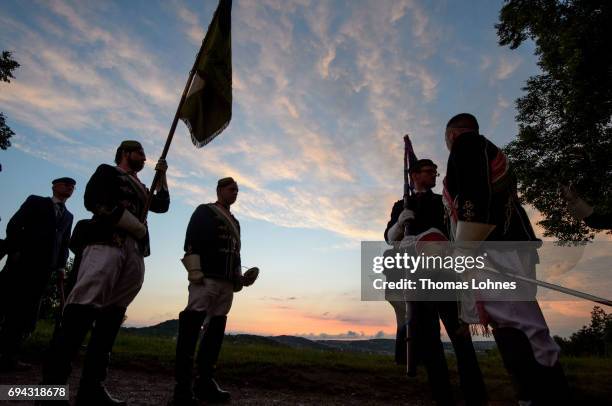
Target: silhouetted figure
{"x":212,"y":259}
{"x":482,"y":203}
{"x":426,"y":211}
{"x":37,"y":245}
{"x":110,"y":273}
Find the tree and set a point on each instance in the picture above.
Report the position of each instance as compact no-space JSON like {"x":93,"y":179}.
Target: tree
{"x":564,"y":118}
{"x":7,"y":66}
{"x":592,"y":340}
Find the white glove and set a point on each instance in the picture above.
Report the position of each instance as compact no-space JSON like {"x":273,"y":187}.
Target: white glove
{"x":578,"y":208}
{"x":397,"y":230}
{"x":161,"y":166}
{"x":404,"y":216}
{"x":130,"y":223}
{"x":195,"y":276}
{"x":192,"y":264}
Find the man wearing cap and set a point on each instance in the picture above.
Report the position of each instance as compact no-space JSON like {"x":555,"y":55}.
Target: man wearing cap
{"x":111,"y":270}
{"x":37,"y":244}
{"x":425,"y":214}
{"x":481,"y":199}
{"x":212,"y":260}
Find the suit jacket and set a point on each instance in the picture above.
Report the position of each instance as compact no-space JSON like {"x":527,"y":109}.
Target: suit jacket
{"x":37,"y":241}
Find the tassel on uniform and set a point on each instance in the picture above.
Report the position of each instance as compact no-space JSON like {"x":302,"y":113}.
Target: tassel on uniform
{"x":480,"y":330}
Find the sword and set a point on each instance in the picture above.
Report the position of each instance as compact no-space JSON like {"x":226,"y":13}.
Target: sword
{"x":552,"y":286}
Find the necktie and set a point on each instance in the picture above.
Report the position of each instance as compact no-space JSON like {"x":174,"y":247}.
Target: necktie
{"x":59,"y":211}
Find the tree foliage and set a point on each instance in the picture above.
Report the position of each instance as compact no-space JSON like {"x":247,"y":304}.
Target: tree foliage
{"x":564,"y":117}
{"x":50,"y":302}
{"x":592,"y":340}
{"x":7,"y":66}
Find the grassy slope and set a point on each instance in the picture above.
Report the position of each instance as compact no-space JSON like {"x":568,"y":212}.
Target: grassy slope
{"x":358,"y":375}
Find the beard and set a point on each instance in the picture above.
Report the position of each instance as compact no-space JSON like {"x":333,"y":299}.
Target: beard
{"x":135,"y":164}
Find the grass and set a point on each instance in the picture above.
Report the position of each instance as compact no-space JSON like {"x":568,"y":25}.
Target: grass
{"x":304,"y":370}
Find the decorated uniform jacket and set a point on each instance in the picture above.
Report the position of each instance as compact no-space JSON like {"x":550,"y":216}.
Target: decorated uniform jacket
{"x":214,"y":234}
{"x":108,"y":193}
{"x":428,"y":212}
{"x":481,"y":187}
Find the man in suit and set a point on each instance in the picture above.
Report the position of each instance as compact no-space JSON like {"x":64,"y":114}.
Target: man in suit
{"x":37,"y":238}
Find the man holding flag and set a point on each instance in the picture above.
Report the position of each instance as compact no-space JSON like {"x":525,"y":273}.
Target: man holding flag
{"x":425,"y":214}
{"x":111,"y":271}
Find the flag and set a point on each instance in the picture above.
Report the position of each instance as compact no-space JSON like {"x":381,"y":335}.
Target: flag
{"x":207,"y":110}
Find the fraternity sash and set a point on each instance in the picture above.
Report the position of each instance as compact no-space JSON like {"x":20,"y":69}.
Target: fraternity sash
{"x":140,"y":189}
{"x":228,"y":221}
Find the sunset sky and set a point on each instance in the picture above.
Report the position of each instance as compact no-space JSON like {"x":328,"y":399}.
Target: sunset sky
{"x":323,"y":93}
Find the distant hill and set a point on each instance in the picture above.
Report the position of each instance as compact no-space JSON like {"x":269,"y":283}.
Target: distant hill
{"x":169,"y":329}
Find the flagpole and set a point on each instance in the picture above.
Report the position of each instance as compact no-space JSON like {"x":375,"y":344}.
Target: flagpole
{"x":172,"y":130}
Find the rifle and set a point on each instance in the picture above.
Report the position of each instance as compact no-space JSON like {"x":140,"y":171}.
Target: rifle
{"x":410,"y":318}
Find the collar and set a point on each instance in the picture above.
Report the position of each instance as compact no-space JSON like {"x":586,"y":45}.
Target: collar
{"x":131,"y":173}
{"x":227,"y":209}
{"x":423,"y":194}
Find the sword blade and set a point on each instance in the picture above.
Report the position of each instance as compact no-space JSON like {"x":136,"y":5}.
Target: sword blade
{"x":552,"y":286}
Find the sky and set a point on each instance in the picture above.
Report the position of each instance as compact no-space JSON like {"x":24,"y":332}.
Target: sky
{"x":323,"y":93}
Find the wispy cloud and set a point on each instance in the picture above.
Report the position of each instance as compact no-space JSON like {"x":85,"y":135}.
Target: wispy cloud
{"x":506,"y":66}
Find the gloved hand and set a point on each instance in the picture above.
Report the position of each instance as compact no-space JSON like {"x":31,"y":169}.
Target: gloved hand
{"x":397,"y":230}
{"x":578,"y":208}
{"x":161,"y":166}
{"x":192,"y":264}
{"x":195,"y":276}
{"x":404,"y":216}
{"x":132,"y":225}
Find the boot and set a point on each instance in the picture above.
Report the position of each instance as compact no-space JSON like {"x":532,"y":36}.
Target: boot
{"x":206,"y":388}
{"x":12,"y":333}
{"x":190,"y":325}
{"x":553,"y":388}
{"x":400,"y":345}
{"x":517,"y":356}
{"x":10,"y":363}
{"x":91,"y":388}
{"x":64,"y":347}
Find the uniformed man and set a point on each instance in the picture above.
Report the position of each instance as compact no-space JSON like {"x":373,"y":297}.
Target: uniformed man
{"x":37,"y":245}
{"x":212,"y":259}
{"x":426,"y":212}
{"x":111,"y":271}
{"x":481,"y":200}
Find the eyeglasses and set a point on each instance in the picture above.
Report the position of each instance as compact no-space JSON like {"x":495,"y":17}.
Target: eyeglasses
{"x":431,"y":171}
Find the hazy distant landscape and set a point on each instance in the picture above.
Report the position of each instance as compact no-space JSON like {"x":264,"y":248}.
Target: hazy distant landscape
{"x":382,"y":346}
{"x":286,"y":369}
